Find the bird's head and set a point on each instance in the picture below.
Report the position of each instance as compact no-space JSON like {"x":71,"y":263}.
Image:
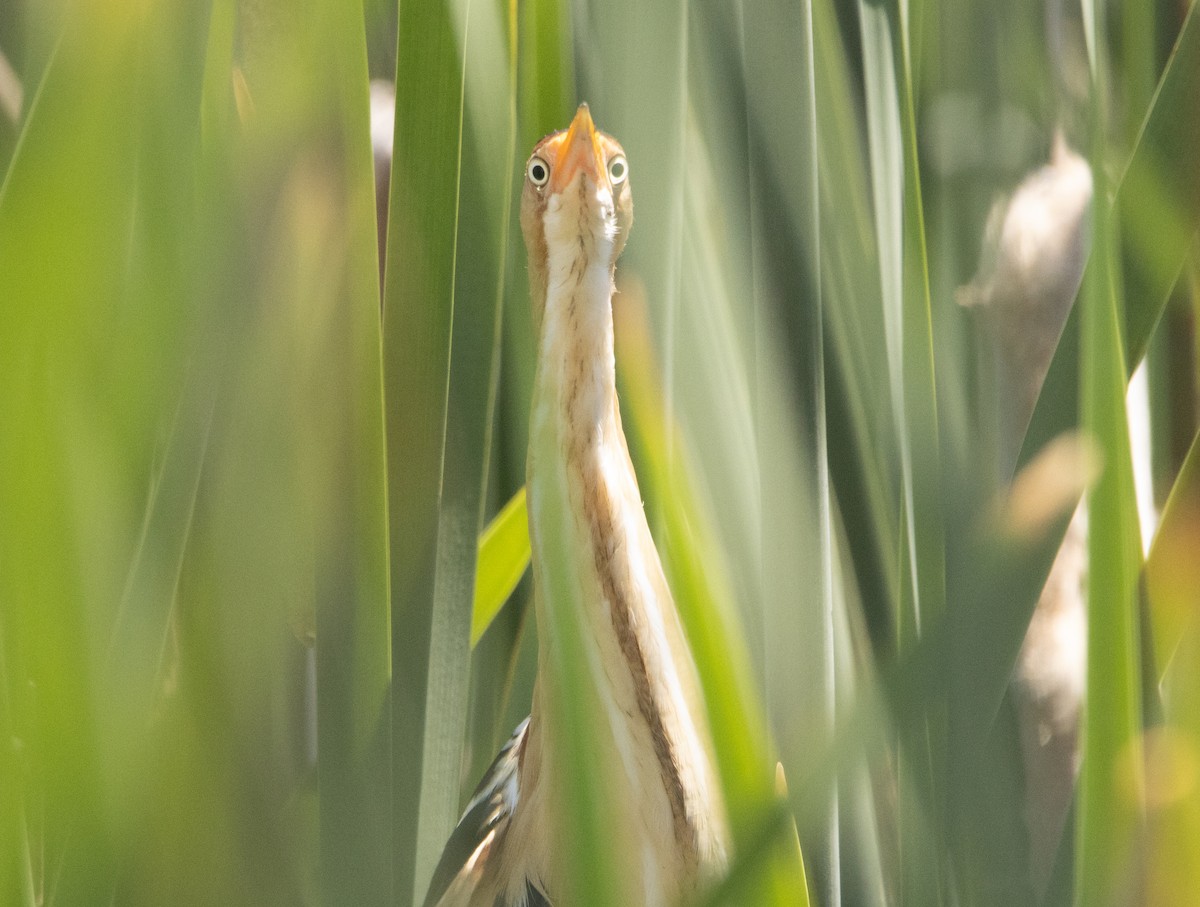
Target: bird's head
{"x":580,"y":178}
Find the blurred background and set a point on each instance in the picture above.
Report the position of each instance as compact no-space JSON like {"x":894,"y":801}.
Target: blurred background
{"x":907,"y":356}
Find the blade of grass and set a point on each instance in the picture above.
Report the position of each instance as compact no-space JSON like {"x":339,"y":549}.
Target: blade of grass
{"x":17,"y":883}
{"x":16,"y":866}
{"x":859,"y":399}
{"x":503,"y":559}
{"x":352,"y":659}
{"x":920,"y":383}
{"x":887,"y":182}
{"x":1157,"y":204}
{"x":1171,"y":578}
{"x":1170,"y":869}
{"x":418,"y":317}
{"x":485,"y":193}
{"x":634,"y":64}
{"x":139,"y":637}
{"x":472,"y":234}
{"x":1138,"y":62}
{"x":899,"y":231}
{"x":541,"y":66}
{"x":998,"y":569}
{"x":288,"y":229}
{"x":858,"y":414}
{"x":715,"y":347}
{"x":78,"y":316}
{"x":783,"y":141}
{"x":546,"y":80}
{"x":900,"y":236}
{"x":1172,"y":569}
{"x":497,"y":657}
{"x":547,"y":68}
{"x":1107,"y":823}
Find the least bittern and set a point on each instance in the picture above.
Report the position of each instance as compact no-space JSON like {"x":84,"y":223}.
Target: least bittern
{"x":652,"y":737}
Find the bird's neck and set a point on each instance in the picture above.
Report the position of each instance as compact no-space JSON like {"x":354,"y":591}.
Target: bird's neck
{"x":590,"y":536}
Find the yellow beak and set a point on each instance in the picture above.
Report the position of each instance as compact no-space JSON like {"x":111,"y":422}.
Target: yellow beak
{"x":580,"y":148}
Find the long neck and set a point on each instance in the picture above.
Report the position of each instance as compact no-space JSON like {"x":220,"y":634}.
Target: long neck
{"x":583,"y":492}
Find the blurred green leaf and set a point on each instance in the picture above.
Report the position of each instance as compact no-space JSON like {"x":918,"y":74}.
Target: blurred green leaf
{"x":900,"y":237}
{"x":351,"y":581}
{"x":859,"y":399}
{"x":1172,"y":569}
{"x":94,"y":329}
{"x":1157,"y":203}
{"x":794,"y":497}
{"x":1157,"y":207}
{"x":429,"y":648}
{"x":447,"y":248}
{"x":1111,"y":772}
{"x":1173,"y":809}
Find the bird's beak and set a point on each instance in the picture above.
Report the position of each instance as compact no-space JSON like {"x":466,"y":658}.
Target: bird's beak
{"x":579,"y":149}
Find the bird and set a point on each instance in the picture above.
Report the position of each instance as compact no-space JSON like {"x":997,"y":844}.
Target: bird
{"x":652,"y":736}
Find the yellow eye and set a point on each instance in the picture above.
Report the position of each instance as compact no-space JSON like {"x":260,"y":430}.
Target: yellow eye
{"x":538,"y":171}
{"x":617,"y":169}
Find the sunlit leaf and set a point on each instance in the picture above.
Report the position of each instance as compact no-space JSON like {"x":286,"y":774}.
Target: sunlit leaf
{"x":503,"y":559}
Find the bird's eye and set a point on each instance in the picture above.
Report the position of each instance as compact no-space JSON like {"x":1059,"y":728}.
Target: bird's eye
{"x":617,"y":169}
{"x":538,"y":171}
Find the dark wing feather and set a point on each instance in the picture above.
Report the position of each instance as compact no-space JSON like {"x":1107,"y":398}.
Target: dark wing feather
{"x":533,"y":897}
{"x":487,"y":814}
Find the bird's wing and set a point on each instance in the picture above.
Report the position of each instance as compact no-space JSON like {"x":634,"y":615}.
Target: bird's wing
{"x":481,"y":827}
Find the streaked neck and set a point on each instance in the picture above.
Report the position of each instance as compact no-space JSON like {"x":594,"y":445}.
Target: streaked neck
{"x":581,"y":481}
